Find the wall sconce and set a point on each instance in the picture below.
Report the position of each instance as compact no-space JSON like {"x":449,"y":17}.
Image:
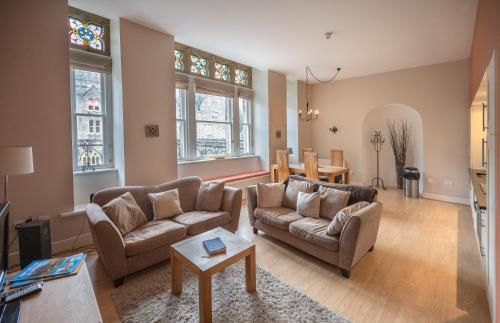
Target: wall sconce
{"x":334,"y":129}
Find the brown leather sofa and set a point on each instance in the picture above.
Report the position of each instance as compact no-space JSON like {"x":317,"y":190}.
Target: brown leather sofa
{"x":307,"y":234}
{"x":150,"y":243}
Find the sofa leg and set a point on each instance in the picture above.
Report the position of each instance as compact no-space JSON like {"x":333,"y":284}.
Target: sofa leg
{"x":118,"y":282}
{"x":345,"y":273}
{"x":255,"y":230}
{"x":371,"y":249}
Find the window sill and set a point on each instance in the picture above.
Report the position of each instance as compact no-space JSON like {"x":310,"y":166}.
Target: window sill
{"x":212,"y":160}
{"x":77,"y":210}
{"x":97,"y":171}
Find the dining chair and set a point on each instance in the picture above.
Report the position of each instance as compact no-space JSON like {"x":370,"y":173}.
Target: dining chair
{"x":306,"y":149}
{"x":311,"y":165}
{"x":283,"y":166}
{"x":337,"y":157}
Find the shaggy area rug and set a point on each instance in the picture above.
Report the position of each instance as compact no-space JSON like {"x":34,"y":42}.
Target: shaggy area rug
{"x":148,"y":299}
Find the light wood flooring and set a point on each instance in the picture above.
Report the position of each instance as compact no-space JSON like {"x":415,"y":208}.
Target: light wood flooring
{"x":425,"y":268}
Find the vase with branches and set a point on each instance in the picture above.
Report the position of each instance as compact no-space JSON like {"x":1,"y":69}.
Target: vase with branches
{"x":399,"y":135}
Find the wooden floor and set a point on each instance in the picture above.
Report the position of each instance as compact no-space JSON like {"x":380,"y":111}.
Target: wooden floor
{"x":425,"y":268}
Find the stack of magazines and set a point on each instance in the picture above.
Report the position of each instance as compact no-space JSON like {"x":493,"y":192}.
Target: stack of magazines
{"x":47,"y":269}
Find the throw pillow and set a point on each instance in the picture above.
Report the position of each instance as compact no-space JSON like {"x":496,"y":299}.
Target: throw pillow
{"x":270,"y":195}
{"x":332,"y":201}
{"x":124,"y":212}
{"x":338,"y":222}
{"x":292,"y":190}
{"x":210,"y":197}
{"x":308,"y":204}
{"x":165,"y":204}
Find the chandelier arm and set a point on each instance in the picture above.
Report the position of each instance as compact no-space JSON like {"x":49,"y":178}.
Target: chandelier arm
{"x":321,"y":81}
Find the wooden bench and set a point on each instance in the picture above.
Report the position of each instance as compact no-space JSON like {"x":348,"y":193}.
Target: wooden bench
{"x":238,"y":177}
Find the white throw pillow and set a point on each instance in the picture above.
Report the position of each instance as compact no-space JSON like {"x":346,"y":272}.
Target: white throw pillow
{"x":308,"y":204}
{"x":341,"y":218}
{"x":270,"y":195}
{"x":166,"y":204}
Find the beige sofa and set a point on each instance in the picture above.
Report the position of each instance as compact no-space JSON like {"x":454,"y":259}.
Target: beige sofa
{"x":149,"y":244}
{"x":307,"y":234}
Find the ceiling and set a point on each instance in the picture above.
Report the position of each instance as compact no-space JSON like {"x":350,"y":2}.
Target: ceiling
{"x":370,"y":36}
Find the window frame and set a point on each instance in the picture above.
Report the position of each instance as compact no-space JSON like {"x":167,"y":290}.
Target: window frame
{"x":249,"y":124}
{"x":191,"y":121}
{"x":106,"y":115}
{"x":184,"y":121}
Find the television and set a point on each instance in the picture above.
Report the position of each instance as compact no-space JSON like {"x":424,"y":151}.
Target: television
{"x":9,"y":312}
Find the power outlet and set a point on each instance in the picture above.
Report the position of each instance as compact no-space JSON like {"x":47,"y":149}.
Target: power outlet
{"x":430,"y":180}
{"x":449,"y":182}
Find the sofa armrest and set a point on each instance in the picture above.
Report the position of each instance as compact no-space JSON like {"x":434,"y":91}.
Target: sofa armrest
{"x":231,"y":202}
{"x":108,"y":241}
{"x":359,"y":235}
{"x":251,"y":203}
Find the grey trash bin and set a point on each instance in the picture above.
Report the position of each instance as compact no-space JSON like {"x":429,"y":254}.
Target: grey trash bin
{"x":411,"y":177}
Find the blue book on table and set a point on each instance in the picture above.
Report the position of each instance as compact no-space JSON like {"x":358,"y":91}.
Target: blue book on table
{"x":214,"y":246}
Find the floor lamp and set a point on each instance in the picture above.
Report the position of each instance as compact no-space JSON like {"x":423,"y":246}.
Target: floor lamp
{"x":14,"y":161}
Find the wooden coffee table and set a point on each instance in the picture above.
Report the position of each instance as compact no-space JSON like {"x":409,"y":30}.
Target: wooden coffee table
{"x":190,"y":253}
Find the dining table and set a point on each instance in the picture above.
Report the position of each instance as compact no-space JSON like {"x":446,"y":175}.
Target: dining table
{"x":323,"y":170}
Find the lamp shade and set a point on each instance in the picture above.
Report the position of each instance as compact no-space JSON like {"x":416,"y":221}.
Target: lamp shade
{"x":16,"y":160}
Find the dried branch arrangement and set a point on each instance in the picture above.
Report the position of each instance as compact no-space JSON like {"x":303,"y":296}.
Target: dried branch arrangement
{"x":399,"y":135}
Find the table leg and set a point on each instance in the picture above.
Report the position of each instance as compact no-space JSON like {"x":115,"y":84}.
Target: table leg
{"x":331,"y":178}
{"x":175,"y":274}
{"x":250,"y":271}
{"x":205,"y":290}
{"x":346,"y":177}
{"x":273,"y":175}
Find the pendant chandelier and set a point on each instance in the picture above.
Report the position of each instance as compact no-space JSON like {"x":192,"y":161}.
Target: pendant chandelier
{"x":310,"y":113}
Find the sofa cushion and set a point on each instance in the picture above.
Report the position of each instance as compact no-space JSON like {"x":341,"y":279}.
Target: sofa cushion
{"x":308,"y":204}
{"x":201,"y":221}
{"x":210,"y":197}
{"x":270,"y":194}
{"x":278,"y":217}
{"x":338,"y":222}
{"x":165,"y":204}
{"x":124,"y":212}
{"x":314,"y":231}
{"x":332,"y":201}
{"x":153,"y":235}
{"x":292,"y":190}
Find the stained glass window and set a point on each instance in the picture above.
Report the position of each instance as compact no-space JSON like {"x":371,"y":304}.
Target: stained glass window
{"x":86,"y":34}
{"x":240,"y":77}
{"x":179,"y":56}
{"x":222,"y":71}
{"x":199,"y":65}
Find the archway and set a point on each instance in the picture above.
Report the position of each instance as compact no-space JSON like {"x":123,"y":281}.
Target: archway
{"x":377,"y":119}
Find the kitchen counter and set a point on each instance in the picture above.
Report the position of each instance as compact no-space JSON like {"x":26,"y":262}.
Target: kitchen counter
{"x":478,"y":179}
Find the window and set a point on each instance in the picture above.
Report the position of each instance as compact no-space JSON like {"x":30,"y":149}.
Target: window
{"x":88,"y":32}
{"x":199,"y":65}
{"x":241,"y":77}
{"x":90,"y":129}
{"x":213,"y":125}
{"x":222,"y":71}
{"x":245,"y":118}
{"x":213,"y":118}
{"x":195,"y":62}
{"x":180,"y":116}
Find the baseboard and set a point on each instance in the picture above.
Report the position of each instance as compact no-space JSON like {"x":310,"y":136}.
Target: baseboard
{"x":446,"y":198}
{"x":58,"y":247}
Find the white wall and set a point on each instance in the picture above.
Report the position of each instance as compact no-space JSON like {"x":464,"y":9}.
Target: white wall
{"x":87,"y":183}
{"x":292,"y":122}
{"x":440,"y":95}
{"x":277,"y":113}
{"x":209,"y":169}
{"x":261,"y":116}
{"x":377,"y":119}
